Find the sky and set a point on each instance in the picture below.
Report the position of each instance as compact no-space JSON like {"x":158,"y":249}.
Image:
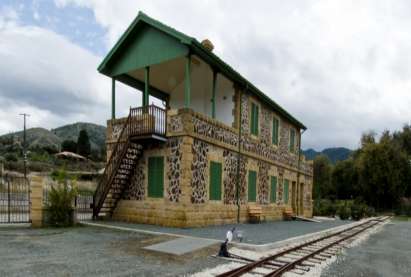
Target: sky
{"x":340,"y":67}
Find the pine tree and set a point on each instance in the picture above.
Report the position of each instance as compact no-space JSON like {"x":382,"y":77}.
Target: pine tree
{"x":83,"y":144}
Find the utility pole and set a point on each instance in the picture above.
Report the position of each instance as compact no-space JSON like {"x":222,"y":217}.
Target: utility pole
{"x":24,"y":145}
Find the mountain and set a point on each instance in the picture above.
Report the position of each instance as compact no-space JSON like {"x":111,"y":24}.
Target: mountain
{"x":334,"y":154}
{"x":52,"y":139}
{"x":96,"y":133}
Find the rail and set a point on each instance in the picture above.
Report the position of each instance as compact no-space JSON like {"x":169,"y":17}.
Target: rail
{"x":278,"y":267}
{"x":141,"y":122}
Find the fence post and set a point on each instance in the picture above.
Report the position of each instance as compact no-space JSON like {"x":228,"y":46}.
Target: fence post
{"x":36,"y":200}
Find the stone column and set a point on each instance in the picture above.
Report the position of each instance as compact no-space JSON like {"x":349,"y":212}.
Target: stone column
{"x":36,"y":200}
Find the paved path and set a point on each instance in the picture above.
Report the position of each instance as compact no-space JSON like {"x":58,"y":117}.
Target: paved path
{"x":253,"y":233}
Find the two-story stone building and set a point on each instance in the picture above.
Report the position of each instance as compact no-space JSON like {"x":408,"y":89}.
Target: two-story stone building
{"x":217,"y":146}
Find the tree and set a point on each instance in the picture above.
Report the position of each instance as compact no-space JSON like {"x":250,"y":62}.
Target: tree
{"x":345,"y":180}
{"x":322,"y":178}
{"x":83,"y":144}
{"x":69,"y":145}
{"x":383,"y":174}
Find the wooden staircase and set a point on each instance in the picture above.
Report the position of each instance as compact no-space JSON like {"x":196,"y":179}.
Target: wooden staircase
{"x":142,"y":125}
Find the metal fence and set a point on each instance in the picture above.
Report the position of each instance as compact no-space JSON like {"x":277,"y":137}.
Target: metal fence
{"x":14,"y":199}
{"x":83,"y":202}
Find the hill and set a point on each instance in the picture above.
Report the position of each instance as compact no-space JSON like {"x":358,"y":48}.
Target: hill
{"x":96,"y":133}
{"x":334,"y":154}
{"x":52,"y":139}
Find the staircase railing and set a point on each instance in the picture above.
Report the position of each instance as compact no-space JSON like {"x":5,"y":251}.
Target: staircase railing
{"x":114,"y":162}
{"x":141,"y":121}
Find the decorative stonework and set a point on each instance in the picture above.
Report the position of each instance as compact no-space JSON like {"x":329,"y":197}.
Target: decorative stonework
{"x":212,"y":131}
{"x":116,"y":131}
{"x":231,"y":178}
{"x":199,"y":169}
{"x":263,"y":180}
{"x":244,"y":114}
{"x":174,"y":169}
{"x":175,"y":124}
{"x":136,"y":189}
{"x":266,"y":119}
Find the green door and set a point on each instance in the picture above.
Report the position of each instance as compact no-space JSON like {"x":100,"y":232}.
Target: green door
{"x":155,"y":177}
{"x":215,"y":181}
{"x":252,"y":180}
{"x":286,"y":188}
{"x":273,"y":197}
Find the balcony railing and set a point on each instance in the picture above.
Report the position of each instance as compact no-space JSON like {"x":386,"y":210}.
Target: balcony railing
{"x":147,"y":121}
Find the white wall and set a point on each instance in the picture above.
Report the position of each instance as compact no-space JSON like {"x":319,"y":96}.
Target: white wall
{"x":201,"y":93}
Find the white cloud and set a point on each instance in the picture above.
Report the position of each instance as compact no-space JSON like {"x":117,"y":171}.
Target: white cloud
{"x":341,"y":67}
{"x":54,"y":80}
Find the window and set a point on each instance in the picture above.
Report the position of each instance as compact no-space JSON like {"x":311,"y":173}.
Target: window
{"x":252,"y":180}
{"x":254,"y":119}
{"x":155,"y":177}
{"x":286,"y":187}
{"x":292,"y":140}
{"x":215,"y":181}
{"x":276,"y":124}
{"x":273,"y":196}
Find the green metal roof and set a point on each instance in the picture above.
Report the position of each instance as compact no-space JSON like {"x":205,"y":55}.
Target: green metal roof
{"x":196,"y":48}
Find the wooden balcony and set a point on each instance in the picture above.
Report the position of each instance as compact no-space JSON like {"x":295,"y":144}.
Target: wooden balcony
{"x":147,"y":123}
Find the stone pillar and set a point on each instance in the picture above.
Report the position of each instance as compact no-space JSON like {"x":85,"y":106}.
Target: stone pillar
{"x":36,"y":200}
{"x":186,"y":171}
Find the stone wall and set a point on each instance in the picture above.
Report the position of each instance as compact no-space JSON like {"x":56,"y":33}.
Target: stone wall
{"x":193,"y":141}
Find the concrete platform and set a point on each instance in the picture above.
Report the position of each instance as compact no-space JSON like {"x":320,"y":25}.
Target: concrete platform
{"x":255,"y":234}
{"x":181,"y":246}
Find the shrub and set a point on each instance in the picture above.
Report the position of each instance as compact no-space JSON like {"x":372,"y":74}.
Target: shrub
{"x":60,"y":211}
{"x":358,"y":210}
{"x":344,"y":211}
{"x":11,"y":157}
{"x":405,"y":206}
{"x":324,"y":207}
{"x":369,"y":211}
{"x":60,"y":205}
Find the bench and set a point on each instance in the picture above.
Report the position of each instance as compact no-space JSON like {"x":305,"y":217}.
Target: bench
{"x":255,"y":214}
{"x":288,"y":214}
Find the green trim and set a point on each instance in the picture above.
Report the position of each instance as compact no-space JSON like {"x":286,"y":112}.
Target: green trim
{"x":215,"y":180}
{"x":113,"y":98}
{"x":286,"y":190}
{"x":146,"y":86}
{"x":130,"y":81}
{"x":198,"y":49}
{"x":187,"y":83}
{"x":213,"y":93}
{"x":252,"y":186}
{"x":254,"y":119}
{"x":291,"y":144}
{"x":155,"y":177}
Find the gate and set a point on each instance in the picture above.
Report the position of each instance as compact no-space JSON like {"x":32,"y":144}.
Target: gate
{"x":14,"y":199}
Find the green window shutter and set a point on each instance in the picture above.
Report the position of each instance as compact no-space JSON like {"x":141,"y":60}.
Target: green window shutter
{"x":155,"y":177}
{"x":252,"y":180}
{"x":286,"y":185}
{"x":292,"y":140}
{"x":215,"y":180}
{"x":254,"y":119}
{"x":273,"y":197}
{"x":275,"y":131}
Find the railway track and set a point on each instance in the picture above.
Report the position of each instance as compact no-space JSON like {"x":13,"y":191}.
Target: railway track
{"x":301,"y":258}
